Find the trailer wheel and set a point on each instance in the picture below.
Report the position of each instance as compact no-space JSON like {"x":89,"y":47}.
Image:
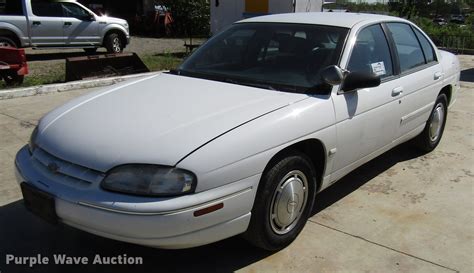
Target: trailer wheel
{"x":7,"y":42}
{"x":12,"y":79}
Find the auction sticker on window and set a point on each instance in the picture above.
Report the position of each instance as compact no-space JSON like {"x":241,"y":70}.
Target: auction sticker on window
{"x":378,"y":68}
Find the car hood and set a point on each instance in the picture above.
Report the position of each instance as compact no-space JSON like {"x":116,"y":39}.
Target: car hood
{"x":156,"y":120}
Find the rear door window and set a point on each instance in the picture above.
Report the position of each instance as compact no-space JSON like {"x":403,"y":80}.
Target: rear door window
{"x":409,"y":50}
{"x":11,"y":7}
{"x":428,"y":49}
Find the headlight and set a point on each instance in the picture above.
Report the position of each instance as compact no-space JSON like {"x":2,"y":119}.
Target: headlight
{"x":32,"y":143}
{"x":150,"y":180}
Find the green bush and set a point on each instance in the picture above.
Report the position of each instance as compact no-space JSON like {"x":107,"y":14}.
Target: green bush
{"x":450,"y":35}
{"x":191,"y":17}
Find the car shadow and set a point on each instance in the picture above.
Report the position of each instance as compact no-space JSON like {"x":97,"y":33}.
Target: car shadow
{"x":364,"y":174}
{"x":467,"y":75}
{"x":23,"y":235}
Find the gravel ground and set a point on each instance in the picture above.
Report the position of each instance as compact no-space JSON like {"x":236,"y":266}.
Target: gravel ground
{"x":51,"y":61}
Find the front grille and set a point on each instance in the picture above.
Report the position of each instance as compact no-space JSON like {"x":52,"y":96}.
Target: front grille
{"x":63,"y":171}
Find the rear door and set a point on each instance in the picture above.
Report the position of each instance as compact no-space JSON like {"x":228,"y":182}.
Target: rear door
{"x":47,"y":23}
{"x":420,"y":76}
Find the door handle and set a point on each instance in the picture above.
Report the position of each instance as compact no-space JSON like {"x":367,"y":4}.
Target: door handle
{"x":67,"y":23}
{"x":438,"y":75}
{"x":36,"y":23}
{"x":397,"y":91}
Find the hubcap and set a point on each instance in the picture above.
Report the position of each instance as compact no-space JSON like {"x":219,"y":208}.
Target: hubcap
{"x":288,"y":202}
{"x":116,"y":45}
{"x":437,"y":120}
{"x":5,"y":44}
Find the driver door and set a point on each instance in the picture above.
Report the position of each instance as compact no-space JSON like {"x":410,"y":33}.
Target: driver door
{"x":366,"y":119}
{"x":80,"y":26}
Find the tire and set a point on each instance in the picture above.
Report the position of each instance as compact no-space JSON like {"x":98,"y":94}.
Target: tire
{"x":434,"y":128}
{"x":12,"y":79}
{"x":288,"y":184}
{"x":7,"y":42}
{"x":113,"y":43}
{"x":90,"y":50}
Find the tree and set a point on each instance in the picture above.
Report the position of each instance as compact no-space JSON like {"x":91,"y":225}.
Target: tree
{"x":191,"y":17}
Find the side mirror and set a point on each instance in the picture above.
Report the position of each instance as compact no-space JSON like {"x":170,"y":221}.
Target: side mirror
{"x":358,"y":80}
{"x":332,"y":75}
{"x":88,"y":18}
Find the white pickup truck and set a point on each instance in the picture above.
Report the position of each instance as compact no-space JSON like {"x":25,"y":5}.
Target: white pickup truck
{"x":59,"y":24}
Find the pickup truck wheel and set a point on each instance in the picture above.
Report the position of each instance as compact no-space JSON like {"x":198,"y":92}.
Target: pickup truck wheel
{"x":90,"y":50}
{"x":434,"y":128}
{"x":283,"y":203}
{"x":7,"y":42}
{"x":113,"y":43}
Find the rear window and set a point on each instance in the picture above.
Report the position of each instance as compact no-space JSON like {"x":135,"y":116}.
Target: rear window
{"x":11,"y":7}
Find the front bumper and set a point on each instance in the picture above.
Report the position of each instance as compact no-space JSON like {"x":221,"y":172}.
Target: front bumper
{"x":157,"y":222}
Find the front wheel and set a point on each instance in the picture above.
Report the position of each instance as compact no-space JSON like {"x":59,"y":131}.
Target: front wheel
{"x":113,"y":43}
{"x":434,"y":128}
{"x":283,"y":203}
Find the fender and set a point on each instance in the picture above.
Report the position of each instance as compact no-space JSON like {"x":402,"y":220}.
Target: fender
{"x":23,"y":37}
{"x":261,"y":139}
{"x":113,"y":26}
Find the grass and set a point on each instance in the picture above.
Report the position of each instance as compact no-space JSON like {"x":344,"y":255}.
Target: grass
{"x":164,"y":61}
{"x":55,"y":72}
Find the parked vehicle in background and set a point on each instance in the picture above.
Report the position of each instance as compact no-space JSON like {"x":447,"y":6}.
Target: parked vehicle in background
{"x":243,"y":135}
{"x":457,"y":19}
{"x":440,"y":21}
{"x":59,"y":24}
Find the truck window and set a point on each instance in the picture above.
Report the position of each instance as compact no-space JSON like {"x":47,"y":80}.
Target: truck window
{"x":47,"y":9}
{"x":75,"y":11}
{"x":11,"y":7}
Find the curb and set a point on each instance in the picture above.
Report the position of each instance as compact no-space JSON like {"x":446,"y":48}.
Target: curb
{"x":69,"y":86}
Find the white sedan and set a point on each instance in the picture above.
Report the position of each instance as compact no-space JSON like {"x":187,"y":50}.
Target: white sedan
{"x":240,"y":138}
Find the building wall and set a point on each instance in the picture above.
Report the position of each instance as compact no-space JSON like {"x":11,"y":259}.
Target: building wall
{"x":279,"y":6}
{"x":226,"y":12}
{"x":308,"y":5}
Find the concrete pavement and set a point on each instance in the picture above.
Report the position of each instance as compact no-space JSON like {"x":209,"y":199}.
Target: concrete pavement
{"x":402,"y":212}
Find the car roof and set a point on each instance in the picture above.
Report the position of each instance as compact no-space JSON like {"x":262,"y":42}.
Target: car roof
{"x":340,"y":19}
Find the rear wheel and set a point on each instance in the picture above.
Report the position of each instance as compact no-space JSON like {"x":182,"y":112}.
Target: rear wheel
{"x":434,"y":128}
{"x":7,"y":42}
{"x":113,"y":43}
{"x":283,"y":203}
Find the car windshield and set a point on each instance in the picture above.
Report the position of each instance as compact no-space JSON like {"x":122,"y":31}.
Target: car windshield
{"x":284,"y":57}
